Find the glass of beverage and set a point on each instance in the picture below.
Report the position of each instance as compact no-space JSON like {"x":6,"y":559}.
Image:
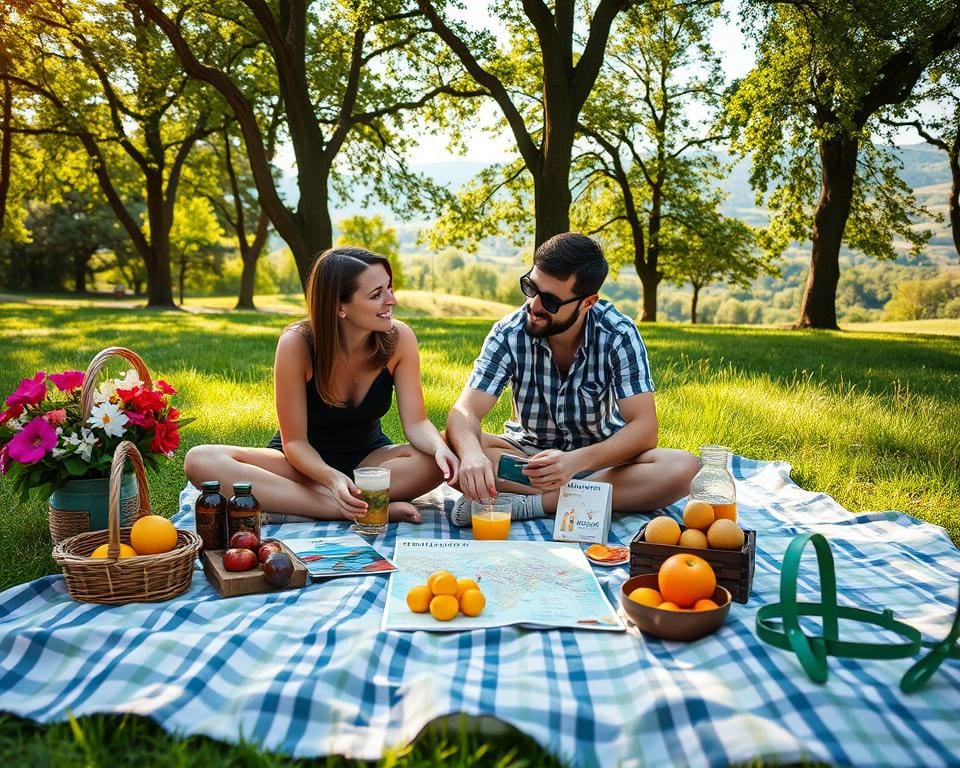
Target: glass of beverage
{"x":374,"y":485}
{"x":490,"y":520}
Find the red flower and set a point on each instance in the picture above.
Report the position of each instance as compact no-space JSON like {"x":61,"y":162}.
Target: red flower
{"x":166,"y":437}
{"x":145,"y":420}
{"x":30,"y":391}
{"x":68,"y":380}
{"x":142,"y":400}
{"x":165,"y":388}
{"x":11,"y":413}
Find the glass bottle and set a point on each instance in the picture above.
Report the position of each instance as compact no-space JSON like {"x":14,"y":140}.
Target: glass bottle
{"x":714,"y":483}
{"x":211,"y":516}
{"x":243,"y":511}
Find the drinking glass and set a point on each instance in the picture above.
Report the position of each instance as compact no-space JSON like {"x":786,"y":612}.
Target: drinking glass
{"x":490,"y":520}
{"x":374,"y":485}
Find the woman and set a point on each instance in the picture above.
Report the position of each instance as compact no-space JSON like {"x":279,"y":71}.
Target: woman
{"x":334,"y":378}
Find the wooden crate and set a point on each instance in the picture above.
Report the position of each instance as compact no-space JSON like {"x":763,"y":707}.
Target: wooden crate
{"x":232,"y":583}
{"x":734,"y":568}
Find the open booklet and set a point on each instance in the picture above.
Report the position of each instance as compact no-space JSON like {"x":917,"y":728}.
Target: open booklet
{"x":339,"y":556}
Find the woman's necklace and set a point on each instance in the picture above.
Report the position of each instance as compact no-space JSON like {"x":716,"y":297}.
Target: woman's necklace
{"x":353,"y":377}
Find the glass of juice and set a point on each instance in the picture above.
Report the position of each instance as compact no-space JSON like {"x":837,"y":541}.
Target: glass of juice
{"x":490,"y":520}
{"x":374,"y":485}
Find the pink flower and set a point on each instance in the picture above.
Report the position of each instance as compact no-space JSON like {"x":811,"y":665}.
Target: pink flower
{"x":11,"y":413}
{"x":145,"y":420}
{"x":59,"y":416}
{"x":68,"y":380}
{"x":33,"y":442}
{"x":30,"y":391}
{"x":4,"y":461}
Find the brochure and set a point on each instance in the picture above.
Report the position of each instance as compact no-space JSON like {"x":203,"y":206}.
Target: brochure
{"x":339,"y":556}
{"x":583,"y":512}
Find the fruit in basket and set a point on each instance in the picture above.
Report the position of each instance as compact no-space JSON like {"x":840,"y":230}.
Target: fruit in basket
{"x":694,"y":539}
{"x":268,"y":548}
{"x":662,"y":530}
{"x":278,"y":569}
{"x":125,"y":551}
{"x":245,"y":540}
{"x":725,"y":534}
{"x":698,"y":514}
{"x":153,"y":535}
{"x":683,"y":579}
{"x":237,"y":559}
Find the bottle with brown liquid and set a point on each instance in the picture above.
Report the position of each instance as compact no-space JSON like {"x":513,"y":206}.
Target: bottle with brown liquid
{"x":211,"y":516}
{"x":714,"y":484}
{"x":243,"y":511}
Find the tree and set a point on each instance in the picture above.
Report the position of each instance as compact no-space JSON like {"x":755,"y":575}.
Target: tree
{"x":541,"y":82}
{"x":195,"y":239}
{"x":346,"y":74}
{"x":825,"y":70}
{"x":372,"y":233}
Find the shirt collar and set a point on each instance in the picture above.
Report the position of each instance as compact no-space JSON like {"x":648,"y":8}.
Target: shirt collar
{"x":589,"y":327}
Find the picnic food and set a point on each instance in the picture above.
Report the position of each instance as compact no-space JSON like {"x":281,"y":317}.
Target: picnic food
{"x":278,"y":569}
{"x":685,"y":578}
{"x":266,"y":549}
{"x":444,"y":607}
{"x":444,"y":596}
{"x":464,"y":584}
{"x":238,"y":559}
{"x":245,"y":540}
{"x":725,"y":534}
{"x":714,"y":484}
{"x":646,"y":596}
{"x":698,"y":514}
{"x":472,"y":602}
{"x":153,"y":535}
{"x":693,"y":538}
{"x":418,"y":598}
{"x":210,"y":512}
{"x":243,"y":510}
{"x":605,"y":554}
{"x":663,"y":530}
{"x":125,"y":551}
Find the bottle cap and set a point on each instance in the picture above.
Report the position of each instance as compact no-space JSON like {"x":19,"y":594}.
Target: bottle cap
{"x":210,"y":486}
{"x":242,"y":487}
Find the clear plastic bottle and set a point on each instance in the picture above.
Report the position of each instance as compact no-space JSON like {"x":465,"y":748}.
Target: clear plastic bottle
{"x":243,"y":511}
{"x":714,"y":483}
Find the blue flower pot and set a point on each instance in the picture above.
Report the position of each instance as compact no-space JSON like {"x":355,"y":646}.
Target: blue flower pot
{"x":91,"y":496}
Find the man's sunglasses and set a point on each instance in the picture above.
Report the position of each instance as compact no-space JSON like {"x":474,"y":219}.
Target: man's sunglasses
{"x":550,"y":302}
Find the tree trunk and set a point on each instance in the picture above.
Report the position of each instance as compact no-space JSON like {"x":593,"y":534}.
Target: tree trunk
{"x":838,"y":160}
{"x":954,"y":203}
{"x":250,"y":255}
{"x":693,"y":304}
{"x":80,"y":272}
{"x":6,"y":142}
{"x":551,"y":184}
{"x":649,"y":279}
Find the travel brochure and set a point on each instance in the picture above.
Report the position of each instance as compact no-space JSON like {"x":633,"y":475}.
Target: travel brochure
{"x":339,"y":556}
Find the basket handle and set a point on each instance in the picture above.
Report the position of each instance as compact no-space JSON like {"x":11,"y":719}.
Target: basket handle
{"x":126,"y":450}
{"x":96,"y":365}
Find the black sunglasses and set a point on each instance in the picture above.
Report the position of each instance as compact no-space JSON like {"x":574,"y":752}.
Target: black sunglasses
{"x":550,"y":302}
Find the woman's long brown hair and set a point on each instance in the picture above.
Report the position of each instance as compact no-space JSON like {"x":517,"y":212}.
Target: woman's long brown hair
{"x":332,"y":282}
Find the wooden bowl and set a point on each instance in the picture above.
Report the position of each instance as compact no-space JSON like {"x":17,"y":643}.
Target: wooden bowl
{"x":673,"y":625}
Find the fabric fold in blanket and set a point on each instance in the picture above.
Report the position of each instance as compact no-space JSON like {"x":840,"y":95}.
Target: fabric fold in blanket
{"x":308,"y":672}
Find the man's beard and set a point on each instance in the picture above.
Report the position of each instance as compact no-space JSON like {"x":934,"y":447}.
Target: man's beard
{"x":552,"y":328}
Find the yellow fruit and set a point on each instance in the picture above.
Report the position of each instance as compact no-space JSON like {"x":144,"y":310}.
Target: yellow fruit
{"x":464,"y":584}
{"x":725,"y":534}
{"x":646,"y":596}
{"x":693,"y":538}
{"x":472,"y":602}
{"x":666,"y":605}
{"x":443,"y":583}
{"x":698,"y":514}
{"x":706,"y":604}
{"x":418,"y":598}
{"x":662,"y":530}
{"x":444,"y":607}
{"x":125,"y":551}
{"x":152,"y":535}
{"x":436,"y":575}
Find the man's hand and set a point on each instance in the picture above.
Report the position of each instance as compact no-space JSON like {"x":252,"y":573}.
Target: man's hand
{"x":477,"y":480}
{"x":548,"y":470}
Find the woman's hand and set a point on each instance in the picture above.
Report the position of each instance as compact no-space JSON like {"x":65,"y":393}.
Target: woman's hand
{"x":345,"y":494}
{"x":448,"y":462}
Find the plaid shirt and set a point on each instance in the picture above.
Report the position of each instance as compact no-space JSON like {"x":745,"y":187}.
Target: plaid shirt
{"x":565,"y":412}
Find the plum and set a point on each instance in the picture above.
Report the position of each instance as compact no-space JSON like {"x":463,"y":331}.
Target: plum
{"x":278,"y":569}
{"x":245,"y":540}
{"x":267,"y":549}
{"x":238,"y":559}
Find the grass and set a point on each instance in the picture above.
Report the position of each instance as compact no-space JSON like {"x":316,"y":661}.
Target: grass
{"x":869,"y":418}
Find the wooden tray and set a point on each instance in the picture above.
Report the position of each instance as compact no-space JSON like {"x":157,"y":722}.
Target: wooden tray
{"x":232,"y":583}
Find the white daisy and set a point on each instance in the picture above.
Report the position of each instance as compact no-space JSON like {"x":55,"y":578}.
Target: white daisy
{"x":108,"y":417}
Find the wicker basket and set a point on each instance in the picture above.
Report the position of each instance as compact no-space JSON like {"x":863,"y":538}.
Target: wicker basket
{"x":65,"y":523}
{"x":141,"y":579}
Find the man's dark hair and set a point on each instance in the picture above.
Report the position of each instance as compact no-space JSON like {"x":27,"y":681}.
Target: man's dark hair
{"x":572,"y":254}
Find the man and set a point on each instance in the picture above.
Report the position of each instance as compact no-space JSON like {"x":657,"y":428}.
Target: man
{"x":583,"y":400}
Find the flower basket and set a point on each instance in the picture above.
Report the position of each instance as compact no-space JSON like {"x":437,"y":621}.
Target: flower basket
{"x":67,"y":522}
{"x":140,"y":579}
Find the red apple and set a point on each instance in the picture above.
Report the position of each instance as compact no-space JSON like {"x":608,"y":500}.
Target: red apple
{"x":237,"y":559}
{"x":245,"y":540}
{"x":278,"y":569}
{"x":267,"y":549}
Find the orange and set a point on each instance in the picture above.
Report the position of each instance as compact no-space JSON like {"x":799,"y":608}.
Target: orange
{"x":693,"y":538}
{"x":418,"y":598}
{"x":646,"y":596}
{"x":666,"y":605}
{"x":472,"y":602}
{"x":464,"y":584}
{"x":443,"y":583}
{"x":725,"y":534}
{"x":686,"y":578}
{"x":662,"y":530}
{"x":444,"y":607}
{"x":153,"y":535}
{"x":698,"y":514}
{"x":125,"y":551}
{"x":705,"y":605}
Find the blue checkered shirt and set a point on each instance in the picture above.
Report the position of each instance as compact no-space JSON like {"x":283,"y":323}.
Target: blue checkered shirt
{"x":553,"y":411}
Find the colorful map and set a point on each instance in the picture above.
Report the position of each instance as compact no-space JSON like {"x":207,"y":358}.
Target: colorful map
{"x":534,"y":583}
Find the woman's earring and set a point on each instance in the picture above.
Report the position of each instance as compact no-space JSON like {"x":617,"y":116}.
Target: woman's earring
{"x":342,"y":313}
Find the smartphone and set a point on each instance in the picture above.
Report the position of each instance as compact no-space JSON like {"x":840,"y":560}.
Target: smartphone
{"x":509,"y":468}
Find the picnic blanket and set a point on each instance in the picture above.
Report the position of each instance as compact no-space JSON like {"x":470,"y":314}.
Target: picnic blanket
{"x":309,"y":672}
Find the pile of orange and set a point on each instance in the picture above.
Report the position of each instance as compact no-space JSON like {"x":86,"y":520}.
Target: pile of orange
{"x":444,"y":596}
{"x":687,"y":583}
{"x":150,"y":535}
{"x":704,"y":529}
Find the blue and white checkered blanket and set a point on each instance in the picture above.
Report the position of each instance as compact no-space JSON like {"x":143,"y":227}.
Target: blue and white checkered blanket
{"x":308,"y":672}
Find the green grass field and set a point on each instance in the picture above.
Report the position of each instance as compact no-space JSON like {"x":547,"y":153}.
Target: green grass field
{"x":869,"y":418}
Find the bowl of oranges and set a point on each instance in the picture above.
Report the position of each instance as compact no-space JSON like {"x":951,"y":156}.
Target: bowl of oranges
{"x":682,"y":601}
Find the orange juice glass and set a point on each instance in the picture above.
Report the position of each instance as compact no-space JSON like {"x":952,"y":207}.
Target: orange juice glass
{"x":490,"y":520}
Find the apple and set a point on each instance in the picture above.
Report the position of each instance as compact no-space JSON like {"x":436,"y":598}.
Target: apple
{"x":238,"y":559}
{"x":245,"y":540}
{"x":267,"y":549}
{"x":278,"y":569}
